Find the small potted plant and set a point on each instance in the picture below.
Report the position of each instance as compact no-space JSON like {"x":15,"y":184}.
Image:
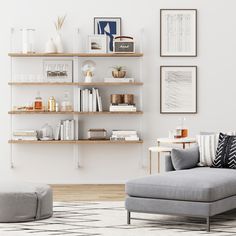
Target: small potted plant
{"x":118,"y":71}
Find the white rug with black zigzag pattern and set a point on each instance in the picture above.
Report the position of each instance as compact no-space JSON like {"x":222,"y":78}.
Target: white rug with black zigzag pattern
{"x":109,"y":219}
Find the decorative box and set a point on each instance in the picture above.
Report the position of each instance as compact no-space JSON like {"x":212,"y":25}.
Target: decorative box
{"x":97,"y":134}
{"x":123,"y":44}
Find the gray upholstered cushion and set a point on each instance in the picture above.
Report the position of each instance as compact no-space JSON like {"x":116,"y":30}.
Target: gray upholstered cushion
{"x":168,"y":163}
{"x":24,"y":201}
{"x":185,"y":158}
{"x":201,"y":184}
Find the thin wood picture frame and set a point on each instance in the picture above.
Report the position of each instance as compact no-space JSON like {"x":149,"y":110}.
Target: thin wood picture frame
{"x":178,"y":83}
{"x":178,"y":33}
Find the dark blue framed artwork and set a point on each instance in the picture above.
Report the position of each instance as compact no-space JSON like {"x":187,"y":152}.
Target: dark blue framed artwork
{"x":110,"y":26}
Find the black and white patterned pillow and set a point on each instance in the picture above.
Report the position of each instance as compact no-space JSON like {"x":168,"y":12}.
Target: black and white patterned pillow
{"x":226,"y":152}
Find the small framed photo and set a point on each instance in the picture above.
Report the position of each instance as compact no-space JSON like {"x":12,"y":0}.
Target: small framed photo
{"x":97,"y":44}
{"x":178,"y":89}
{"x":109,"y":26}
{"x":58,"y":70}
{"x":178,"y":32}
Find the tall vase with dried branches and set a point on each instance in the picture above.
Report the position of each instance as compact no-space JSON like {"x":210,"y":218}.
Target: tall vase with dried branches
{"x":58,"y":40}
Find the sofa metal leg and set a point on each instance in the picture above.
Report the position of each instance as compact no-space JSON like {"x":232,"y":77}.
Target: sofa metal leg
{"x":128,"y":217}
{"x":208,"y":224}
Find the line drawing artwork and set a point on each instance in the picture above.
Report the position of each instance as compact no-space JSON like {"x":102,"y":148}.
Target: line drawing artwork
{"x":178,"y":32}
{"x":178,"y":90}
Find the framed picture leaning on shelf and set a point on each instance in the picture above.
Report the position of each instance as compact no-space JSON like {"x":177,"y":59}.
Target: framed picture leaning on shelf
{"x":110,"y":26}
{"x":178,"y":89}
{"x":178,"y":32}
{"x":97,"y":44}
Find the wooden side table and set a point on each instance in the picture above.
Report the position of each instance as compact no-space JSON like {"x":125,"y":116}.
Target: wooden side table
{"x":158,"y":150}
{"x":182,"y":141}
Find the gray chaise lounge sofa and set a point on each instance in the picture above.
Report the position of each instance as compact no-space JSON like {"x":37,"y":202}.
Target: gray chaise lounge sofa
{"x":198,"y":192}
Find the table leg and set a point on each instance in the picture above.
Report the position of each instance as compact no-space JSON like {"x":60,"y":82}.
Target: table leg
{"x":150,"y":162}
{"x":183,"y":145}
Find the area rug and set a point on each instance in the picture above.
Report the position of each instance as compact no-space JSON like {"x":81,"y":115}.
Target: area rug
{"x":109,"y":219}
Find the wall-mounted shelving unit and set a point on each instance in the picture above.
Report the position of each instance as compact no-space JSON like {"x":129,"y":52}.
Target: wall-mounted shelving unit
{"x":75,"y":84}
{"x":75,"y":113}
{"x":97,"y":84}
{"x":80,"y":141}
{"x":75,"y":54}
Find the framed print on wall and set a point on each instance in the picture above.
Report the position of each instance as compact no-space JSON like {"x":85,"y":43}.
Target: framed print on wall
{"x":178,"y":89}
{"x":178,"y":32}
{"x":110,"y":26}
{"x":97,"y":44}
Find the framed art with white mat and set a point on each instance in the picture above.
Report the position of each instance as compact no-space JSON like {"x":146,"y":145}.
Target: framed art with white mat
{"x":97,"y":44}
{"x":178,"y":32}
{"x":178,"y":89}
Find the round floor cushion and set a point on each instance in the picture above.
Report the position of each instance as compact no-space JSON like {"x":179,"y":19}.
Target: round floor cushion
{"x":25,"y":201}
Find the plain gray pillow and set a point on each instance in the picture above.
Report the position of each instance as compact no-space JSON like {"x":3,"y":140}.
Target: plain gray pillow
{"x":185,"y":158}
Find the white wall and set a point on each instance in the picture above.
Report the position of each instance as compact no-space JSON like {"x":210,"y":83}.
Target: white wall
{"x":114,"y":164}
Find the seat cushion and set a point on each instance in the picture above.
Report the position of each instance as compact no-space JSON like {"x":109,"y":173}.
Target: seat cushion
{"x":202,"y":184}
{"x":24,"y":201}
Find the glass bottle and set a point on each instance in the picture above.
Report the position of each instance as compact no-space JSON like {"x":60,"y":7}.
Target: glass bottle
{"x":184,"y":129}
{"x":38,"y":103}
{"x":181,"y":130}
{"x":66,"y":104}
{"x":51,"y":104}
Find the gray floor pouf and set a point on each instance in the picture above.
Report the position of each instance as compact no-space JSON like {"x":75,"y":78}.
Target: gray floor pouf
{"x":25,"y":201}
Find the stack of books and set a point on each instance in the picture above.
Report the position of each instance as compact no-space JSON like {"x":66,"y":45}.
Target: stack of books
{"x":118,"y":80}
{"x":65,"y":130}
{"x":89,"y":100}
{"x":28,"y":135}
{"x":122,"y":108}
{"x":126,"y":135}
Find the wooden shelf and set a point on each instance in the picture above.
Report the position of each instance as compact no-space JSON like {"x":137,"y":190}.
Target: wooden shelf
{"x":74,"y":113}
{"x":74,"y":84}
{"x":75,"y":54}
{"x":81,"y":141}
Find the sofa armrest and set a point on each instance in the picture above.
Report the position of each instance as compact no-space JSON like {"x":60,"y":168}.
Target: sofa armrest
{"x":168,"y":163}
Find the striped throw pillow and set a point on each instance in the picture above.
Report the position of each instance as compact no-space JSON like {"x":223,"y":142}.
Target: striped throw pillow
{"x":207,"y":147}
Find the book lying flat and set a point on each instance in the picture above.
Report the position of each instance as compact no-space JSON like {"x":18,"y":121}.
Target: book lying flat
{"x":131,"y":138}
{"x":25,"y":138}
{"x":118,"y":80}
{"x":25,"y":133}
{"x":122,"y":108}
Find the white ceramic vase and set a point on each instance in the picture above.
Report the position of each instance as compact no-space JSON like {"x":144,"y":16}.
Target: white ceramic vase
{"x":59,"y":43}
{"x":50,"y":46}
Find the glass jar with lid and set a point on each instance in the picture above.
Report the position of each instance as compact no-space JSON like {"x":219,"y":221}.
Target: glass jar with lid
{"x":46,"y":132}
